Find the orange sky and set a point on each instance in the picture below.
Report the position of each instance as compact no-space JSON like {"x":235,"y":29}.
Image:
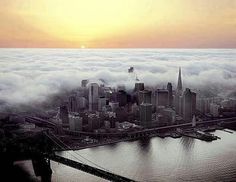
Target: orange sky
{"x":118,"y":23}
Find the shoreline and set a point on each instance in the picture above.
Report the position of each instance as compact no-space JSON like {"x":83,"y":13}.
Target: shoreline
{"x":167,"y":134}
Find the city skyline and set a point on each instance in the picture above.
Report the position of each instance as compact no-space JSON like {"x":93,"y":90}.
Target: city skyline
{"x":118,"y":90}
{"x":118,"y":24}
{"x":54,"y":72}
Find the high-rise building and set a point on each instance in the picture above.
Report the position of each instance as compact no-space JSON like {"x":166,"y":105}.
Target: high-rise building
{"x":214,"y":109}
{"x":75,"y":123}
{"x":145,"y":96}
{"x":121,"y":87}
{"x":170,"y":94}
{"x":93,"y":96}
{"x":122,"y":98}
{"x":194,"y":102}
{"x":114,"y":106}
{"x":64,"y":114}
{"x":81,"y":103}
{"x":146,"y":114}
{"x":170,"y":114}
{"x":139,"y":87}
{"x":179,"y":85}
{"x":84,"y":83}
{"x":72,"y":104}
{"x":93,"y":122}
{"x":102,"y":101}
{"x":189,"y":105}
{"x":201,"y":105}
{"x":162,"y":97}
{"x":178,"y":95}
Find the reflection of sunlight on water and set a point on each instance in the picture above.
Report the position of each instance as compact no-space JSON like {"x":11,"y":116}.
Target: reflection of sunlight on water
{"x":187,"y":143}
{"x":144,"y":144}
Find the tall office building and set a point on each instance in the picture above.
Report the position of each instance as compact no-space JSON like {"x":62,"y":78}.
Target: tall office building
{"x":162,"y":97}
{"x":178,"y":94}
{"x":121,"y":87}
{"x":81,"y":103}
{"x":75,"y":123}
{"x":102,"y":101}
{"x":189,"y":105}
{"x":121,"y":98}
{"x":64,"y":114}
{"x":114,"y":106}
{"x":93,"y":96}
{"x":139,"y":87}
{"x":72,"y":104}
{"x":179,"y":85}
{"x":214,"y":109}
{"x":145,"y":96}
{"x":201,"y":105}
{"x":194,"y":102}
{"x":84,"y":83}
{"x":181,"y":104}
{"x":93,"y":122}
{"x":146,"y":114}
{"x":170,"y":94}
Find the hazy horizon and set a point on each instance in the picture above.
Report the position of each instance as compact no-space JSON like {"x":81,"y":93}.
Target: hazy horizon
{"x":118,"y":24}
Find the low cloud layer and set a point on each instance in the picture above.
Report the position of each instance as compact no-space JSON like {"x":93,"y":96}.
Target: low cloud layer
{"x":32,"y":75}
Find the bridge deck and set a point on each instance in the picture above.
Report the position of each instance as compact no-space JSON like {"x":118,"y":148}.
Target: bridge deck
{"x":89,"y":169}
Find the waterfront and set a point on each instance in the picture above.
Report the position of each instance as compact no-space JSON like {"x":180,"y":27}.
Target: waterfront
{"x":157,"y":159}
{"x":166,"y":159}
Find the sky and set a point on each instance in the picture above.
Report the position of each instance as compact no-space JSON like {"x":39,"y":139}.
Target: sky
{"x":118,"y":23}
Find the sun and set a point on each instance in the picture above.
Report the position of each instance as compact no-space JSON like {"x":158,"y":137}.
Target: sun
{"x":82,"y":47}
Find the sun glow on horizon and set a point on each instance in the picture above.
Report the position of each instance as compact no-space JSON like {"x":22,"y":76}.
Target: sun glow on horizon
{"x":117,"y":23}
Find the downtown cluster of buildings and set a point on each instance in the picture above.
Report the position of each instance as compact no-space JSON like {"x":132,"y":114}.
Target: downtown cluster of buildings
{"x":97,"y":108}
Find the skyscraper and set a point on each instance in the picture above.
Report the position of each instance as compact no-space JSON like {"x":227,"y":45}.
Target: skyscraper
{"x":93,"y":122}
{"x":139,"y":87}
{"x":178,"y":94}
{"x":72,"y":104}
{"x":84,"y":83}
{"x":162,"y":97}
{"x":81,"y":103}
{"x":146,"y":114}
{"x":102,"y":101}
{"x":170,"y":94}
{"x":189,"y":105}
{"x":114,"y":106}
{"x":64,"y":115}
{"x":122,"y":98}
{"x":93,"y":96}
{"x":179,"y":85}
{"x":75,"y":122}
{"x":214,"y":109}
{"x":145,"y":96}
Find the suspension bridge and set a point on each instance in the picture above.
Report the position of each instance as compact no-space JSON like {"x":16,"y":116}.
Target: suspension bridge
{"x":98,"y":170}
